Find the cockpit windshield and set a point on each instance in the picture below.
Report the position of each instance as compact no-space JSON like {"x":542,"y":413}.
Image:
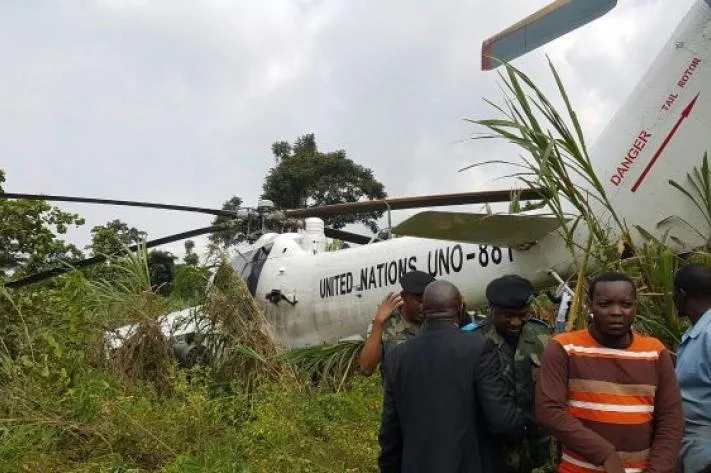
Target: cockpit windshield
{"x":253,"y":268}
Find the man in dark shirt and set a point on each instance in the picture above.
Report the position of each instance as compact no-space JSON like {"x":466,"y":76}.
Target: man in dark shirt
{"x":519,"y":339}
{"x":443,"y":394}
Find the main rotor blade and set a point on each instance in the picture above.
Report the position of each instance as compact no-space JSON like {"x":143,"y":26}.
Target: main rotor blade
{"x":50,"y":273}
{"x":346,"y":236}
{"x":91,"y":200}
{"x":413,"y":202}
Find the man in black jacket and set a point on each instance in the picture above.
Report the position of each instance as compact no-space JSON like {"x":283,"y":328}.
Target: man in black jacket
{"x":443,"y":394}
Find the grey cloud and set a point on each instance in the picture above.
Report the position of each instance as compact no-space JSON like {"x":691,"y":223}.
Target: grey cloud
{"x":179,"y":101}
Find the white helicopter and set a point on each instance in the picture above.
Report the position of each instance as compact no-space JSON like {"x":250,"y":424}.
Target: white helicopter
{"x":312,"y":296}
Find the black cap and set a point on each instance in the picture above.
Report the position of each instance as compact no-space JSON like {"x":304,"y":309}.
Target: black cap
{"x":510,"y":292}
{"x":415,"y":282}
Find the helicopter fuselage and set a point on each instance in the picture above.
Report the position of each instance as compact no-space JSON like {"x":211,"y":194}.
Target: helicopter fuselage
{"x":311,"y":296}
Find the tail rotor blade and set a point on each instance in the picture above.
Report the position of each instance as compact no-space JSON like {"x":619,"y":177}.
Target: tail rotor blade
{"x":555,"y":20}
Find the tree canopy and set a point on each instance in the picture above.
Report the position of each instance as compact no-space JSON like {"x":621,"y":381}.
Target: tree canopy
{"x":161,"y":266}
{"x":303,"y":176}
{"x":307,"y":177}
{"x":190,"y":258}
{"x":111,"y":237}
{"x":237,"y":232}
{"x":29,"y":232}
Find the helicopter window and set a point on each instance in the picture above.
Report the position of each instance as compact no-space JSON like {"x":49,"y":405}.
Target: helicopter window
{"x":254,"y":268}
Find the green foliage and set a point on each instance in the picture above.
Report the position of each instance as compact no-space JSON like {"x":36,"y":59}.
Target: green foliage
{"x":304,"y":176}
{"x":238,"y":229}
{"x":190,"y":284}
{"x":67,"y":407}
{"x":556,"y":160}
{"x":113,"y":236}
{"x":653,"y":267}
{"x":329,"y":366}
{"x":162,"y":270}
{"x":190,"y":258}
{"x":243,"y":347}
{"x":699,"y":183}
{"x":28,"y":235}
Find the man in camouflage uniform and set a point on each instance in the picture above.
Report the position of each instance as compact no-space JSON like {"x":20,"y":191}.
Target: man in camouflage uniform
{"x":398,"y":318}
{"x":520,"y":340}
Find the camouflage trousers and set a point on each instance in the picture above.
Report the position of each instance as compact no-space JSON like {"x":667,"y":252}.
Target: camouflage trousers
{"x":533,"y":454}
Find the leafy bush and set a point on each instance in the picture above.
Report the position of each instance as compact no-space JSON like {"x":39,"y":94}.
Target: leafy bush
{"x":69,"y":405}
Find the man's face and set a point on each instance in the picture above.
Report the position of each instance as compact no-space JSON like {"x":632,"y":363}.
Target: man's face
{"x":411,"y":307}
{"x":510,"y":322}
{"x":613,"y":307}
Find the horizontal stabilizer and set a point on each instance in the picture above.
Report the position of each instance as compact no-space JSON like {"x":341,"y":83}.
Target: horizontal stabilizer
{"x":557,"y":19}
{"x":491,"y":229}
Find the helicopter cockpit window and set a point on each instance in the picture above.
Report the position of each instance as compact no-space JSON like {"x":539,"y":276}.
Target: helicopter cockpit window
{"x":253,"y":269}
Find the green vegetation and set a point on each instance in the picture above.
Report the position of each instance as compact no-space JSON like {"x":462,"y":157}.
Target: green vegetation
{"x":555,"y":159}
{"x":303,"y":176}
{"x":67,"y":407}
{"x":67,"y":404}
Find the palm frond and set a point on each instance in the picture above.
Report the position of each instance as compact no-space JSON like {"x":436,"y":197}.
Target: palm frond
{"x":328,"y":366}
{"x":699,"y":181}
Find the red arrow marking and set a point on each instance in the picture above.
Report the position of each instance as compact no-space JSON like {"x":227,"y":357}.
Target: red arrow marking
{"x":684,"y":115}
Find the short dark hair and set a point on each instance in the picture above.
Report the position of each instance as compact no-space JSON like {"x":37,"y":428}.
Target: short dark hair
{"x":695,"y":280}
{"x":611,"y":276}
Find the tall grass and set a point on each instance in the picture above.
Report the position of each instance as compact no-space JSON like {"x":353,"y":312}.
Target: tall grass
{"x":243,"y":345}
{"x":328,"y":366}
{"x":68,"y":405}
{"x":145,"y":353}
{"x":555,"y":159}
{"x":699,"y":194}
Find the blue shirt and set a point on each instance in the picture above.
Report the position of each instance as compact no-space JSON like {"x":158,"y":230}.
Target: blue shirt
{"x":470,"y":327}
{"x":693,"y":370}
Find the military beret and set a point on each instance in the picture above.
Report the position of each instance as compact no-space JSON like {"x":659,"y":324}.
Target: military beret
{"x":510,"y":292}
{"x":415,"y":282}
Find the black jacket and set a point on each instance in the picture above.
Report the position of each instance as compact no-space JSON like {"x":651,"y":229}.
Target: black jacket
{"x":443,"y":395}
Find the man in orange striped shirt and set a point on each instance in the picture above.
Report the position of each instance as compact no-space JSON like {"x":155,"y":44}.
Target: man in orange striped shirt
{"x":610,"y":395}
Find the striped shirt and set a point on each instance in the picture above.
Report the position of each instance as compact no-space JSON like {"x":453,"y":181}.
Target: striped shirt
{"x":598,"y":400}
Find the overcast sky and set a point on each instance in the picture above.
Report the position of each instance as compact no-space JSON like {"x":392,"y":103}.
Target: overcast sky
{"x":179,"y":101}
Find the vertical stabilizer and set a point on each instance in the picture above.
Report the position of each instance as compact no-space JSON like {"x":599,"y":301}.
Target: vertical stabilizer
{"x":661,"y":133}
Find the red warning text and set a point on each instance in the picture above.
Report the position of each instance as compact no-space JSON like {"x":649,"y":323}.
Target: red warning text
{"x":632,"y":154}
{"x":689,"y":72}
{"x":671,"y":100}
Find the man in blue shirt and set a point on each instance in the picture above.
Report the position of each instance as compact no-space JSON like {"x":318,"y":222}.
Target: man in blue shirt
{"x":692,"y":297}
